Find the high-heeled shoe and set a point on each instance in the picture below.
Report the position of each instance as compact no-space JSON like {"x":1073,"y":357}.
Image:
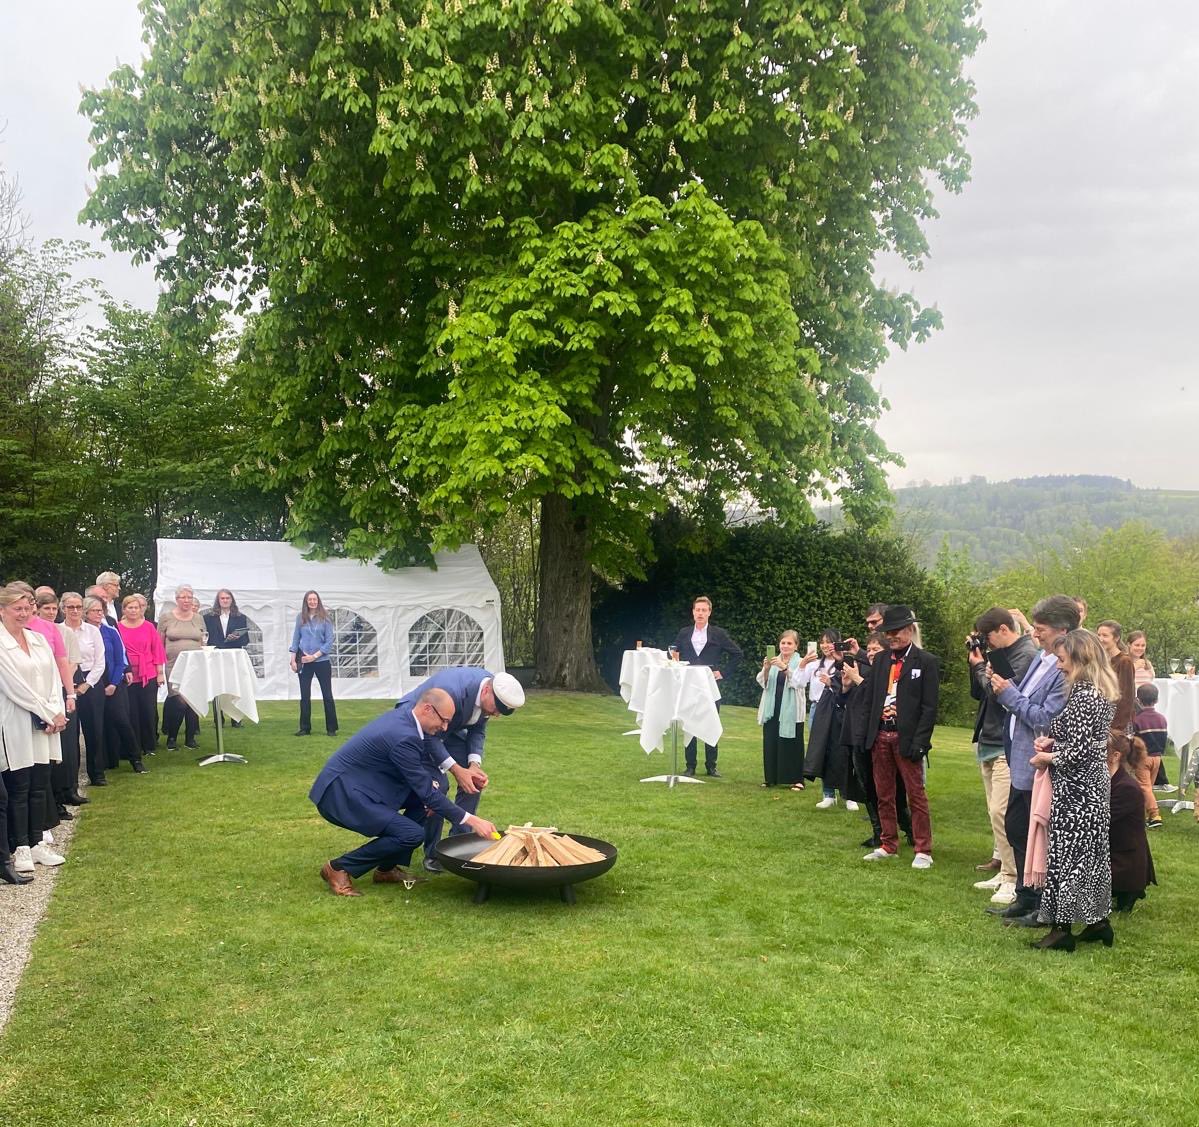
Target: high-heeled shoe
{"x":1058,"y":939}
{"x":1098,"y":933}
{"x":10,"y":875}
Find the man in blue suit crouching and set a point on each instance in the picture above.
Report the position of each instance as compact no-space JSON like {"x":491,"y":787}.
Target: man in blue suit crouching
{"x":379,"y":784}
{"x":478,"y":695}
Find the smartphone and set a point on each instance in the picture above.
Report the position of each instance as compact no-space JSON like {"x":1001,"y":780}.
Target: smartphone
{"x":811,"y":647}
{"x":771,"y":653}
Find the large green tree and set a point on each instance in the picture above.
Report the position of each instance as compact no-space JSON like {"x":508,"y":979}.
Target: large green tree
{"x":592,"y":256}
{"x":156,"y":429}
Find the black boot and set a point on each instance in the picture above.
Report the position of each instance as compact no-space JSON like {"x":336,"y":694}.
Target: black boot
{"x":1098,"y":933}
{"x":1058,"y":939}
{"x":876,"y":837}
{"x":10,"y":875}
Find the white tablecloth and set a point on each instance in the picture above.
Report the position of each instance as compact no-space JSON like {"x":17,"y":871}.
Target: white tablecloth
{"x":205,"y":675}
{"x":633,"y":662}
{"x":676,"y":691}
{"x":1178,"y":702}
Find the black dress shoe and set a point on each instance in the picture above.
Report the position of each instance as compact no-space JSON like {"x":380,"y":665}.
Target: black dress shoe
{"x":10,"y":875}
{"x":431,"y":865}
{"x":304,"y":732}
{"x":191,"y":745}
{"x":1015,"y":908}
{"x":76,"y":800}
{"x":140,"y":769}
{"x":330,"y":731}
{"x":64,"y":815}
{"x":235,"y":723}
{"x":872,"y":843}
{"x":97,"y":782}
{"x":1029,"y":919}
{"x":690,"y":772}
{"x":714,"y":774}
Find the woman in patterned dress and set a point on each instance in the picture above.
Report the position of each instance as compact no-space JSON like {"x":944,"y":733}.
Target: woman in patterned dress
{"x":1078,"y":882}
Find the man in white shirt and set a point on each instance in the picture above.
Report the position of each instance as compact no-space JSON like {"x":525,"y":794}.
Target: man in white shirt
{"x":705,"y":643}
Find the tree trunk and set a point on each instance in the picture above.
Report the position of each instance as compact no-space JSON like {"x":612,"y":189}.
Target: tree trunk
{"x":565,"y":659}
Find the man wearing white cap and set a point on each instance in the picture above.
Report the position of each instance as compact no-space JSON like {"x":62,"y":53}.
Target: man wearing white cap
{"x":478,"y":696}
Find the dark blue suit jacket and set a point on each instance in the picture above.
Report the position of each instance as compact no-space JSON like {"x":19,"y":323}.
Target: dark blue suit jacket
{"x":381,"y":769}
{"x":462,"y":739}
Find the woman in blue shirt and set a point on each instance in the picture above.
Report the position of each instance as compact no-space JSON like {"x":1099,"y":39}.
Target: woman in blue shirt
{"x":311,"y":645}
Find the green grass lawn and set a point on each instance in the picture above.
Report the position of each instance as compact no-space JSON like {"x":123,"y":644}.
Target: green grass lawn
{"x":739,"y":965}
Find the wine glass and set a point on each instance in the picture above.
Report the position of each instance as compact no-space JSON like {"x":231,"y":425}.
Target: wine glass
{"x":1175,"y":664}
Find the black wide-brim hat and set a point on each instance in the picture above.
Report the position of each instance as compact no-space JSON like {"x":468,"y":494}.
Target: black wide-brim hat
{"x":896,"y":617}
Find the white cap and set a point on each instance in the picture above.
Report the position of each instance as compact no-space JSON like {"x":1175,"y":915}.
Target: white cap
{"x":508,"y":693}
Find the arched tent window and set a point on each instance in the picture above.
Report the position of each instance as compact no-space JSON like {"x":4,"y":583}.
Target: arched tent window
{"x":254,"y":648}
{"x":355,"y":645}
{"x":442,"y":638}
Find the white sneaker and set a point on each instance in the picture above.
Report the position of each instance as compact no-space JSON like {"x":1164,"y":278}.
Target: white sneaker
{"x":989,"y":885}
{"x":44,"y":855}
{"x":1005,"y":894}
{"x":47,"y":837}
{"x":922,"y":861}
{"x":825,"y":803}
{"x":850,"y":805}
{"x":879,"y":854}
{"x":22,"y":859}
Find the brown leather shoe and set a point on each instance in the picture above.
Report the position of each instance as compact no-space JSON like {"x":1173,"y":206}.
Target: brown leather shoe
{"x":398,"y":876}
{"x":339,"y":883}
{"x":992,"y":866}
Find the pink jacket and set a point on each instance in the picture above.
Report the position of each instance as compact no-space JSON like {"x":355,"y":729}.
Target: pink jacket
{"x":1036,"y":858}
{"x":144,"y":649}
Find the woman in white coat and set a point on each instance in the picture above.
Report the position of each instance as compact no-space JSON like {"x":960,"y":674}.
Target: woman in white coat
{"x":31,"y":716}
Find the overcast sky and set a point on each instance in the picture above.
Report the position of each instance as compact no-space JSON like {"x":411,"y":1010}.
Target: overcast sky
{"x":1065,"y":271}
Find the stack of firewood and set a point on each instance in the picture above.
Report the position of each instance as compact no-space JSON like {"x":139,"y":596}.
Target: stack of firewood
{"x":537,"y":845}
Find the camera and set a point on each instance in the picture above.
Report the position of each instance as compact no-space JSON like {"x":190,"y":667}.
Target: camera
{"x":976,"y":643}
{"x":844,"y":655}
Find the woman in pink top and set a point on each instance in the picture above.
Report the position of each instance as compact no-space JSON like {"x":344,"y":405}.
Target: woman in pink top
{"x":147,"y":658}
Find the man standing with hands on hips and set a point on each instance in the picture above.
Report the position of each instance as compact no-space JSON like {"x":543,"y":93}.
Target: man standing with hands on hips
{"x":706,"y":644}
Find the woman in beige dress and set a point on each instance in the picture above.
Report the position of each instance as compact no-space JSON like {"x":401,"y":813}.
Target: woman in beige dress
{"x":182,"y":629}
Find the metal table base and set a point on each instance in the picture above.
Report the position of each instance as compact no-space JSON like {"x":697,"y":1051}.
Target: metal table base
{"x":674,"y":777}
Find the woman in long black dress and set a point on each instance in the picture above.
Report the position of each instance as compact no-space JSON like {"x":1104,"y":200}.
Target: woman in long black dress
{"x":1078,"y":883}
{"x":781,"y":714}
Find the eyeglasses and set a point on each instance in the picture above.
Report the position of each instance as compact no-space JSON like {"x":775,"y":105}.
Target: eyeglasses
{"x":72,"y":606}
{"x":438,"y":714}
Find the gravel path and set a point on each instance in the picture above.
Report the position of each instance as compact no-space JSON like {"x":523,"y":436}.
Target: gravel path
{"x":21,"y":909}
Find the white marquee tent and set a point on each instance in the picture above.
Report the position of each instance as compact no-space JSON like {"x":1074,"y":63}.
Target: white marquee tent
{"x":392,"y":628}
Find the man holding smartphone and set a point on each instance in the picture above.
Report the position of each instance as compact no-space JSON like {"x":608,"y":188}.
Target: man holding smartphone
{"x":706,"y":644}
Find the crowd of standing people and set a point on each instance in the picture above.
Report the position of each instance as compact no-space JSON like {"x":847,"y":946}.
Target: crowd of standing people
{"x":1067,"y":737}
{"x":80,"y":676}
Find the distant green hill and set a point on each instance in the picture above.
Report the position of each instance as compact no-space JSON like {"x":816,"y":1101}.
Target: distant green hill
{"x":1002,"y":523}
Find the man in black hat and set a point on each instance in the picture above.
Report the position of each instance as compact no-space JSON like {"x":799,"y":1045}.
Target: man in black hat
{"x":904,"y":686}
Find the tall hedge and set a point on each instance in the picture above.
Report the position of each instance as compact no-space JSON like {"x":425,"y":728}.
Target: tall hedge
{"x":762,"y":580}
